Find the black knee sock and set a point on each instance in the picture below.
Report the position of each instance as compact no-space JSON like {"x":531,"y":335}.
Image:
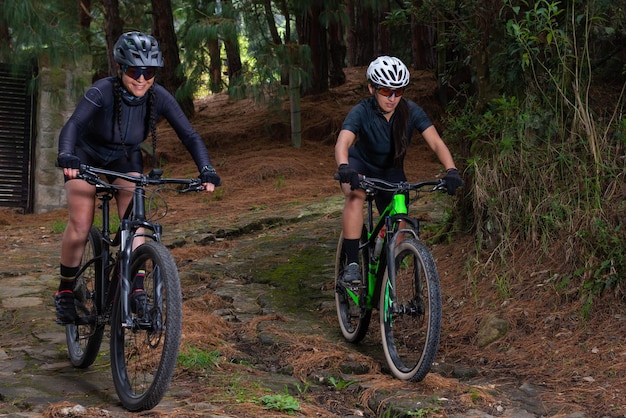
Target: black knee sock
{"x":351,"y":250}
{"x":68,"y":277}
{"x":138,"y":283}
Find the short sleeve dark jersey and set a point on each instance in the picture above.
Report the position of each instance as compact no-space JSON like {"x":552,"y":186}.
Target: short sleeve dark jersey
{"x":91,"y":125}
{"x":374,"y":138}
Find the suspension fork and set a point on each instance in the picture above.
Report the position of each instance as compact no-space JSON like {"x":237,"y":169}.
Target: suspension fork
{"x":397,"y":213}
{"x":124,"y":271}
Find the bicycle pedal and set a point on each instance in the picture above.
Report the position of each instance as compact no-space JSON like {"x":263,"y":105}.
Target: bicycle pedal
{"x":353,"y":287}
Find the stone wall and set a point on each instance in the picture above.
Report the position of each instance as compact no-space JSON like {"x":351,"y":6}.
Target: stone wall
{"x":59,"y":91}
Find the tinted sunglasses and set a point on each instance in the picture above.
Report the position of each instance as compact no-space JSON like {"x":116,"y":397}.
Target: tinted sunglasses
{"x":387,"y":92}
{"x":136,"y":72}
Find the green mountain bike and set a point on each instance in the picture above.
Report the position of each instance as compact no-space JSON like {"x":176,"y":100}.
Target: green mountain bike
{"x":406,"y":291}
{"x":144,"y":343}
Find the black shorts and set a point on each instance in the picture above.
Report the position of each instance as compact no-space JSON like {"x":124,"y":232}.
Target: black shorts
{"x":123,"y":164}
{"x":392,"y":174}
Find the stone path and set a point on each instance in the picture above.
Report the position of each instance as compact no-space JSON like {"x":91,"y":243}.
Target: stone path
{"x":35,"y":371}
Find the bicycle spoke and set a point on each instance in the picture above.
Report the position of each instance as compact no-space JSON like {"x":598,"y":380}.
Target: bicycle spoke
{"x":412,"y":313}
{"x":143,"y":356}
{"x":85,"y":336}
{"x":354,"y":316}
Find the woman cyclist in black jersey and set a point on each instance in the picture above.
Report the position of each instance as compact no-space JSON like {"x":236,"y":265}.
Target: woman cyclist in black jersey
{"x":373,"y":142}
{"x":106,"y":130}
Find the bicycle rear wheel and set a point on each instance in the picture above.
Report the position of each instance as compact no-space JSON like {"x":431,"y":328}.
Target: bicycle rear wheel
{"x":143,"y":358}
{"x":85,"y":336}
{"x":411,"y":323}
{"x":354,"y":317}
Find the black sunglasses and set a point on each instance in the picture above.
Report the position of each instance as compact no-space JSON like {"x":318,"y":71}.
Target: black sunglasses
{"x":148,"y":73}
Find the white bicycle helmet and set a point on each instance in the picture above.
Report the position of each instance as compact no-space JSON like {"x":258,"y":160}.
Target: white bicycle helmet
{"x":388,"y":72}
{"x":137,"y":49}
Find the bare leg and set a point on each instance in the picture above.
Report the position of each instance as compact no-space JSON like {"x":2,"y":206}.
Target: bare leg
{"x":352,"y":221}
{"x":81,"y":204}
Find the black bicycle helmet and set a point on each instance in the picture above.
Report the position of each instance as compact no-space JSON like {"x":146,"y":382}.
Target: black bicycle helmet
{"x":137,"y":49}
{"x":388,"y":72}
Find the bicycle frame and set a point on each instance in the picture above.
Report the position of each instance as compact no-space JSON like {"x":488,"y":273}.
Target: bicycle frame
{"x":133,"y":221}
{"x":144,"y":332}
{"x":395,"y":212}
{"x":400,"y":280}
{"x":117,"y":268}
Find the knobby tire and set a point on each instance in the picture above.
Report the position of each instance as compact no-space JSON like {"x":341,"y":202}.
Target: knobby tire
{"x":85,"y":336}
{"x":411,"y":328}
{"x":354,"y":320}
{"x":143,"y":359}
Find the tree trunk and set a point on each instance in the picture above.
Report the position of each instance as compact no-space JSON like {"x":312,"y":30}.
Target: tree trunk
{"x":312,"y":34}
{"x":337,"y":54}
{"x":364,"y":34}
{"x":423,"y":46}
{"x":233,"y":54}
{"x":294,"y":103}
{"x":351,"y":44}
{"x":271,"y":22}
{"x":215,"y":65}
{"x":5,"y":38}
{"x":113,"y":27}
{"x":384,"y":35}
{"x":84,"y":17}
{"x":442,"y":90}
{"x":163,"y":31}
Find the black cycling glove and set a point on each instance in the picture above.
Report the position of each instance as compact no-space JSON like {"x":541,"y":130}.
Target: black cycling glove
{"x":349,"y":176}
{"x":66,"y":160}
{"x":453,"y":180}
{"x":208,"y":175}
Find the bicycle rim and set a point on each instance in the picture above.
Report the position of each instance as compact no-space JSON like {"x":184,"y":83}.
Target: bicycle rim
{"x":354,"y":317}
{"x":411,"y":324}
{"x":85,"y":336}
{"x":143,"y":358}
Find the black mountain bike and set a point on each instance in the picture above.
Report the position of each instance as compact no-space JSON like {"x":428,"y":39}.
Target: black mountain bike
{"x":406,"y":291}
{"x":143,"y":344}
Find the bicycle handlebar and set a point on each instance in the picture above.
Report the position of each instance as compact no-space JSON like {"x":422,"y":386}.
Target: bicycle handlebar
{"x":372,"y":183}
{"x":91,"y":176}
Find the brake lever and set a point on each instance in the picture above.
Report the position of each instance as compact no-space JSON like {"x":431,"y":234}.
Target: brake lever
{"x":442,"y":186}
{"x":194,"y":186}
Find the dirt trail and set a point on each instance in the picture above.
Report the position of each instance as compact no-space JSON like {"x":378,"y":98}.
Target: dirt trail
{"x":262,"y":296}
{"x":256,"y":266}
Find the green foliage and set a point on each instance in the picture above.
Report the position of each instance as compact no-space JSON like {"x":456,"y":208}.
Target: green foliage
{"x":286,"y":403}
{"x":196,"y":359}
{"x":58,"y":226}
{"x":45,"y":32}
{"x":202,"y":25}
{"x":340,"y":384}
{"x":545,"y":168}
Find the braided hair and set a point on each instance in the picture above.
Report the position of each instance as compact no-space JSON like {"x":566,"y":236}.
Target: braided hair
{"x":150,"y":122}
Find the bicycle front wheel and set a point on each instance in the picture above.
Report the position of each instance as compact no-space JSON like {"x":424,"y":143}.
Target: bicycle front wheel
{"x":143,"y":357}
{"x":410,"y":317}
{"x":85,"y":336}
{"x":354,"y":316}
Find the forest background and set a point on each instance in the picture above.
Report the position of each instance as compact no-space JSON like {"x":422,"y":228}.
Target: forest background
{"x":533,"y":92}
